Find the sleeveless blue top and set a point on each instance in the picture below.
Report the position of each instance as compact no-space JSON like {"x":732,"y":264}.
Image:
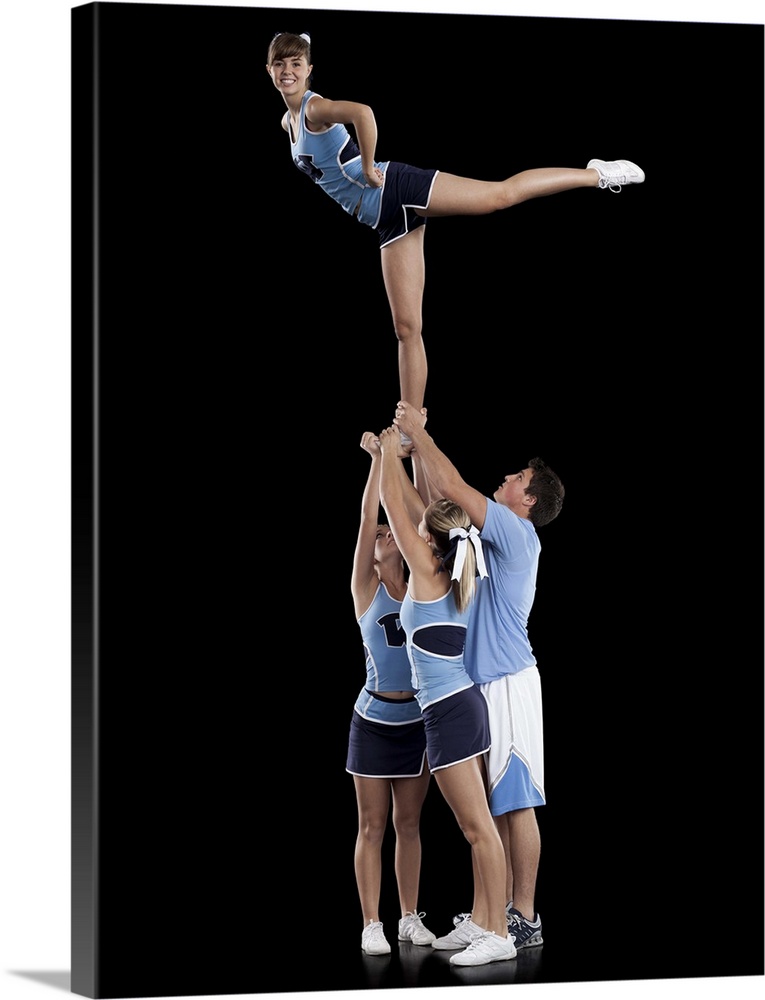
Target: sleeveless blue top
{"x":387,"y":662}
{"x":435,"y":638}
{"x":333,"y":161}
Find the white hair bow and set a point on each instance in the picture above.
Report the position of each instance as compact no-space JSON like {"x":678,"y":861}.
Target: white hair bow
{"x":303,"y":34}
{"x":462,"y":537}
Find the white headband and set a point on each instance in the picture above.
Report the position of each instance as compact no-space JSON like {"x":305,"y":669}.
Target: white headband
{"x":303,"y":34}
{"x":462,"y":537}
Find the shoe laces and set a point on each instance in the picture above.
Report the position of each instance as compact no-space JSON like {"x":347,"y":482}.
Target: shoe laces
{"x":515,"y":919}
{"x":460,"y":918}
{"x":519,"y":928}
{"x":414,"y":918}
{"x":613,"y":183}
{"x":480,"y":941}
{"x":467,"y":927}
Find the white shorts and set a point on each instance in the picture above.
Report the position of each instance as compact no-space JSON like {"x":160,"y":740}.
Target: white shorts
{"x":516,"y":758}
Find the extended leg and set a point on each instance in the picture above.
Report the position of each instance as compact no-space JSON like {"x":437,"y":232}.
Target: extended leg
{"x":403,"y":268}
{"x":453,"y":195}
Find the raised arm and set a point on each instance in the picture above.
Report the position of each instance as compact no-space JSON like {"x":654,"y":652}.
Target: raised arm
{"x":364,"y":579}
{"x":425,"y":488}
{"x":436,"y":467}
{"x":417,"y":494}
{"x":395,"y":485}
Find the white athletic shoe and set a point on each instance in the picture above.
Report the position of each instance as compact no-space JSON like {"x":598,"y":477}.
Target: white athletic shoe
{"x":406,"y":441}
{"x":615,"y":173}
{"x":411,"y":928}
{"x":460,"y":937}
{"x":485,"y":948}
{"x":525,"y":933}
{"x":373,"y":940}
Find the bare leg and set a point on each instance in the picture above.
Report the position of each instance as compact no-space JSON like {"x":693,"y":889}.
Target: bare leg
{"x":403,"y":268}
{"x":373,"y":799}
{"x":453,"y":195}
{"x":408,"y":797}
{"x":462,"y":787}
{"x":501,"y":823}
{"x":503,"y":827}
{"x":524,"y":850}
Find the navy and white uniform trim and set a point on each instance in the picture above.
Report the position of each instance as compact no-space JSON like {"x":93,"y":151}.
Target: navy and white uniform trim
{"x":435,"y":636}
{"x":387,"y":662}
{"x":332,"y":160}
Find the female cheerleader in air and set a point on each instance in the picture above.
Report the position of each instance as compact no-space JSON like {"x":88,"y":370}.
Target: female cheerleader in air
{"x":395,"y":198}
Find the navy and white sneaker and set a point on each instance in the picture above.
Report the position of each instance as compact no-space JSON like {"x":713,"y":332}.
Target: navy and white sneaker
{"x":525,"y":933}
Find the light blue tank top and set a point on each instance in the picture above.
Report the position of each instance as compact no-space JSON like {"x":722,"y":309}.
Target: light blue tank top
{"x":435,"y":637}
{"x":333,"y":161}
{"x":387,"y":662}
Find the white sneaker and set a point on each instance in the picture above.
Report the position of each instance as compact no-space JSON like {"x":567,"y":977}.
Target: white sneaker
{"x":485,"y":948}
{"x":406,"y":441}
{"x":411,"y":928}
{"x":460,"y":937}
{"x":373,"y":940}
{"x":615,"y":173}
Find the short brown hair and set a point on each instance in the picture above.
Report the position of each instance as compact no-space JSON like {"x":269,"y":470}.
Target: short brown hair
{"x":548,"y":490}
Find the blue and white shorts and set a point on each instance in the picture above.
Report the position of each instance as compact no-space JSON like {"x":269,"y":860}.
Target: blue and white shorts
{"x":516,"y":759}
{"x":406,"y":188}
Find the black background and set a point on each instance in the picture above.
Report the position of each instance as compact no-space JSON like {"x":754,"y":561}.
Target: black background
{"x":244,"y":346}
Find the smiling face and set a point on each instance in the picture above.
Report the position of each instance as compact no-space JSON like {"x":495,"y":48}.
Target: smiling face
{"x":512,"y":493}
{"x":290,"y":74}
